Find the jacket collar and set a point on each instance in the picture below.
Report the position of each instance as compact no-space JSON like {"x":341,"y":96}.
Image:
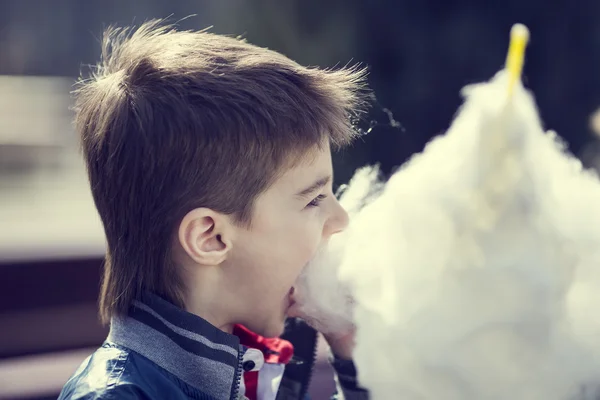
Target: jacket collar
{"x":182,"y":343}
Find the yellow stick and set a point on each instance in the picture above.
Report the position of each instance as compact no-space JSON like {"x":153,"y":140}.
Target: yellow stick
{"x":519,"y":37}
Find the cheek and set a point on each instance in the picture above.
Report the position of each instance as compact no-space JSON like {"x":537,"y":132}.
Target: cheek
{"x":285,"y":248}
{"x":308,"y":240}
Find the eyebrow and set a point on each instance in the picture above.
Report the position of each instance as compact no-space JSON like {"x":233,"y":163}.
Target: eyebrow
{"x":318,"y":184}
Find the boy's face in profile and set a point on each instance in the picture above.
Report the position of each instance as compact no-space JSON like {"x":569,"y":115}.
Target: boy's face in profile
{"x":290,"y":223}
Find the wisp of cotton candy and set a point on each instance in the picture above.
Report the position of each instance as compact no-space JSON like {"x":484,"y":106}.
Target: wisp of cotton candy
{"x":475,"y":272}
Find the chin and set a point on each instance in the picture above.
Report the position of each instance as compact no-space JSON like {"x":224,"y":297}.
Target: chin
{"x":272,"y":323}
{"x":270,"y":329}
{"x":274,"y":330}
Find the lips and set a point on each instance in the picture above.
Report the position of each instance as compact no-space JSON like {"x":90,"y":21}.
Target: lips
{"x":291,"y":299}
{"x":291,"y":303}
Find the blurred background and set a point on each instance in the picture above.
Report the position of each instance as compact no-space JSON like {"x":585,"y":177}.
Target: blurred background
{"x":420,"y":54}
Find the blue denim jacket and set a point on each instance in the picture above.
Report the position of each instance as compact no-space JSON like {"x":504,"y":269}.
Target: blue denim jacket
{"x":159,"y":351}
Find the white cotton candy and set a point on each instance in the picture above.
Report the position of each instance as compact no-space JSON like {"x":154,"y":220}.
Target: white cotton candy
{"x":475,"y":274}
{"x":318,"y":291}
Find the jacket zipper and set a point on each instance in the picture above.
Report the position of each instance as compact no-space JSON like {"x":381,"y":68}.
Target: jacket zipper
{"x":238,"y":375}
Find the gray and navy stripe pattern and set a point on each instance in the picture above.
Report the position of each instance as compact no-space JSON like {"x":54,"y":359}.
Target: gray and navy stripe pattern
{"x":181,"y":343}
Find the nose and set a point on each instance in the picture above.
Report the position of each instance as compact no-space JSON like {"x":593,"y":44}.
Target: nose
{"x":337,"y":222}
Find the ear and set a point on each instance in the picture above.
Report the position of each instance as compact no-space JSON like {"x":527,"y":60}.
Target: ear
{"x":205,"y":236}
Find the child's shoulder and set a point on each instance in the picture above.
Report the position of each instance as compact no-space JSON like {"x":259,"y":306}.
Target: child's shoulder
{"x":115,"y":372}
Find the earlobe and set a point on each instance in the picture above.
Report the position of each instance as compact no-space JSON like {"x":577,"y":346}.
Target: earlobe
{"x":204,"y":236}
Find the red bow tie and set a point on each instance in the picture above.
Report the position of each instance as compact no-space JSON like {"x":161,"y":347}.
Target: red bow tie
{"x":275,"y":350}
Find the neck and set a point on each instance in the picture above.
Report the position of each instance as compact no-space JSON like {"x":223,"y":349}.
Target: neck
{"x":205,"y":298}
{"x":209,"y":314}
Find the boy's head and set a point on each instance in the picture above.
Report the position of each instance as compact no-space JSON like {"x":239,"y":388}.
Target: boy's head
{"x":197,"y":147}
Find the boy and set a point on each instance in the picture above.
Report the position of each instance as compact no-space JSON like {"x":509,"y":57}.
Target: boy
{"x":209,"y":163}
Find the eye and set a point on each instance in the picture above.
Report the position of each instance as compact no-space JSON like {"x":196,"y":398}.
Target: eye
{"x":317,"y":200}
